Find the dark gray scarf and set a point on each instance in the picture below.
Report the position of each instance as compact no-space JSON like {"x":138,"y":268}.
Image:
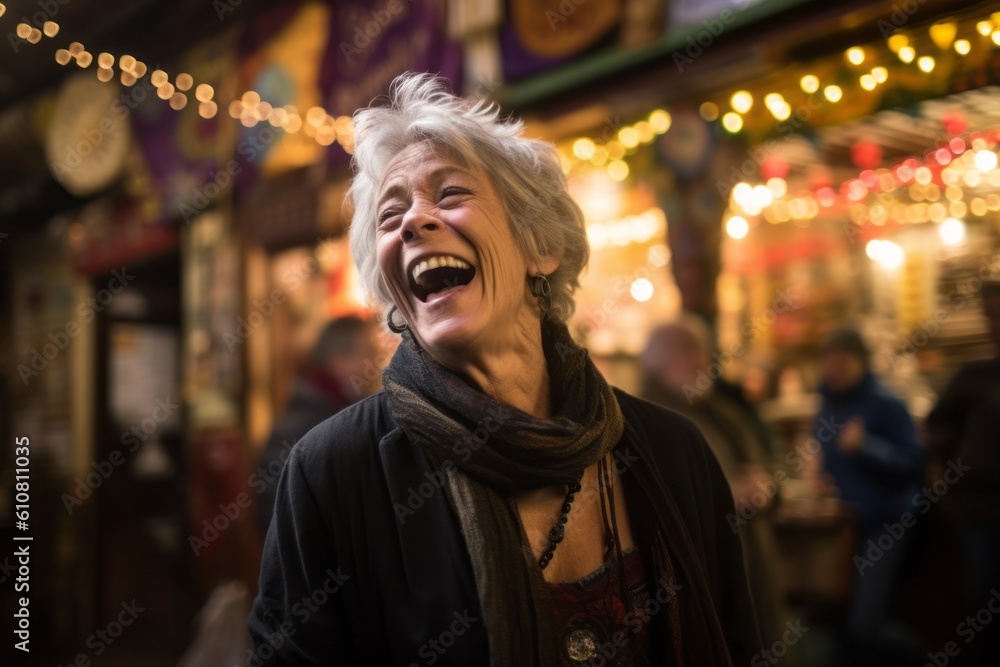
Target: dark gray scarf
{"x":486,"y":450}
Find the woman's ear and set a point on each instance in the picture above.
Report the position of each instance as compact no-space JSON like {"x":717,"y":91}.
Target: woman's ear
{"x":545,"y":266}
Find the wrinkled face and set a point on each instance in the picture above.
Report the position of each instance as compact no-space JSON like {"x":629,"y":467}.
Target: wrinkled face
{"x":447,"y":254}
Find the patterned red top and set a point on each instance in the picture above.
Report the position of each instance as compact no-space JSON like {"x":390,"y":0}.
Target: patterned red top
{"x":595,"y":626}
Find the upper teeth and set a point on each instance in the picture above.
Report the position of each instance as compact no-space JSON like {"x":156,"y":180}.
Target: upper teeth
{"x":437,"y":262}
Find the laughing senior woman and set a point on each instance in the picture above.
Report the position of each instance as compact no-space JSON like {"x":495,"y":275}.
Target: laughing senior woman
{"x":498,"y":503}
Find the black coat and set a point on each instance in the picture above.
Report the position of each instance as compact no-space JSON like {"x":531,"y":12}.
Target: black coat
{"x":365,"y":564}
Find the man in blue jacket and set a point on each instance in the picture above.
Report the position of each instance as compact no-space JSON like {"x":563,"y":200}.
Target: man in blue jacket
{"x":871,"y":451}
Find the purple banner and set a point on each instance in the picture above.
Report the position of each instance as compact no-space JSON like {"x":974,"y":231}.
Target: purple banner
{"x":373,"y":41}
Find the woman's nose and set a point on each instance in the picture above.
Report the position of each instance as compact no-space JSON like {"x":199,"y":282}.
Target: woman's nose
{"x":418,"y":223}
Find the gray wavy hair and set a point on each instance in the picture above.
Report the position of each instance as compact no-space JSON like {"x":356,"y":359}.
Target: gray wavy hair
{"x":544,"y":219}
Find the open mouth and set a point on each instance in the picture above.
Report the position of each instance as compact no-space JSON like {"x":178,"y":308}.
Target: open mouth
{"x":439,"y":273}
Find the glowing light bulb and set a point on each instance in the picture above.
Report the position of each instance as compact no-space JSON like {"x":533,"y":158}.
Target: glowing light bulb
{"x":952,"y":232}
{"x":583,"y":148}
{"x":732,"y":121}
{"x":809,"y":83}
{"x":641,"y":290}
{"x":660,"y":121}
{"x":741,"y":101}
{"x":737,"y":227}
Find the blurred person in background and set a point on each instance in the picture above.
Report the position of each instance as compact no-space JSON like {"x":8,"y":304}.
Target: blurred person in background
{"x":337,"y":374}
{"x":676,"y":373}
{"x":438,"y":520}
{"x":871,"y":451}
{"x":965,"y":429}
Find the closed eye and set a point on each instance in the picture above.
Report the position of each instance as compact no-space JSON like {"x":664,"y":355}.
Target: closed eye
{"x":453,"y":191}
{"x":387,"y":215}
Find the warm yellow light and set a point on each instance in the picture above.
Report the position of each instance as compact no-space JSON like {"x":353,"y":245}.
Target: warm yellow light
{"x":158,"y":78}
{"x":628,"y":137}
{"x":907,"y":54}
{"x":183,"y":81}
{"x":777,"y":186}
{"x":660,"y":121}
{"x":995,"y":36}
{"x":897,"y":41}
{"x":809,"y":83}
{"x":833,"y":93}
{"x":732,"y":121}
{"x":741,"y":101}
{"x":250,"y":99}
{"x":985,"y":160}
{"x":128,"y":79}
{"x":645,"y":132}
{"x":952,"y":231}
{"x":782,"y":110}
{"x":709,"y":111}
{"x":886,"y":253}
{"x":104,"y":74}
{"x":741,"y":194}
{"x":204,"y":93}
{"x":984,"y":28}
{"x":868,"y":82}
{"x":23,"y":30}
{"x":583,"y":148}
{"x":641,"y":289}
{"x":962,"y":47}
{"x":737,"y":227}
{"x":855,"y":55}
{"x":600,"y":156}
{"x":50,"y":28}
{"x":880,"y":74}
{"x":178,"y":101}
{"x":208,"y":109}
{"x":63,"y":56}
{"x":84,"y":59}
{"x":615,"y":150}
{"x":925,"y":63}
{"x":618,"y":170}
{"x":165,"y":92}
{"x":943,"y":34}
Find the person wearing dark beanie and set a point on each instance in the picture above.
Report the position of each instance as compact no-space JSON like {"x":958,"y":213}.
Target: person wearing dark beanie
{"x":870,"y":449}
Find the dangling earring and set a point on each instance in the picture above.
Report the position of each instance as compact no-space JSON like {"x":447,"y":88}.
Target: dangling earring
{"x":395,"y":328}
{"x":541,"y":290}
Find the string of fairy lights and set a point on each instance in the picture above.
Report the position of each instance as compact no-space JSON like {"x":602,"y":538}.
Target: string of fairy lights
{"x":316,"y":122}
{"x":921,"y":47}
{"x":910,"y":47}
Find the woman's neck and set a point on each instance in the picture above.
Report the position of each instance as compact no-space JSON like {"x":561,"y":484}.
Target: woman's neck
{"x":512,"y":371}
